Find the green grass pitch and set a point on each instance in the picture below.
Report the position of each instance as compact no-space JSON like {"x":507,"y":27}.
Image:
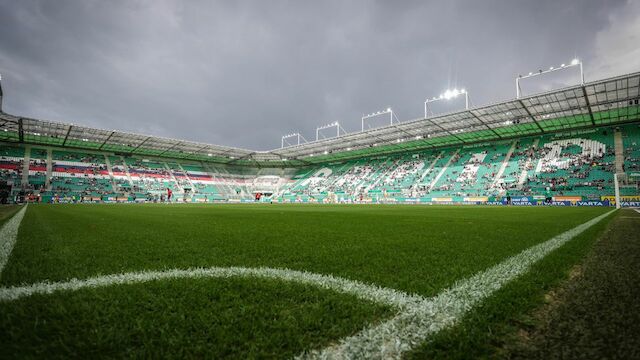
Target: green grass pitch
{"x":419,"y":250}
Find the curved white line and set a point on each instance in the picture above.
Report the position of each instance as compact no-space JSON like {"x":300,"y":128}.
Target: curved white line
{"x":358,"y":289}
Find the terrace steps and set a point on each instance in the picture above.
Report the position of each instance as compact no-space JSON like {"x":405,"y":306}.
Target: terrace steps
{"x":126,"y":169}
{"x":47,"y":181}
{"x":431,"y":166}
{"x":619,"y":148}
{"x":525,"y":171}
{"x":173,"y":178}
{"x":187,"y":176}
{"x":25,"y":164}
{"x":505,"y":162}
{"x":110,"y":170}
{"x":444,"y":169}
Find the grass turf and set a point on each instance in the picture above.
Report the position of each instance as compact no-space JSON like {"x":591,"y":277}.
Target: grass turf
{"x":596,"y":313}
{"x":195,"y":318}
{"x":484,"y":332}
{"x":6,"y":212}
{"x":411,"y":248}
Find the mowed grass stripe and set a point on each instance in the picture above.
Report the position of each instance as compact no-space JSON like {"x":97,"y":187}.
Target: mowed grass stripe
{"x":415,"y":324}
{"x":206,"y":318}
{"x":416,"y":249}
{"x":8,"y":235}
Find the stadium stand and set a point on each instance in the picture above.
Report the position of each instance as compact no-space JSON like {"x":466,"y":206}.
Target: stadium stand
{"x":571,"y":164}
{"x":576,"y":164}
{"x":11,"y":165}
{"x":568,"y":143}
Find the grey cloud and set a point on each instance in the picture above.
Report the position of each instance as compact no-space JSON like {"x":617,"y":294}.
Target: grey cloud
{"x":244,"y":73}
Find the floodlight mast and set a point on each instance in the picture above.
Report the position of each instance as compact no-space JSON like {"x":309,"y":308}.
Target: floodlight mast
{"x":293,"y":135}
{"x":0,"y":92}
{"x":574,"y":62}
{"x":447,"y":95}
{"x":335,"y":124}
{"x":379,"y":113}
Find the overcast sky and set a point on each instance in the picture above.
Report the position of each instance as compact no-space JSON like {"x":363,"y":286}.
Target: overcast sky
{"x":243,"y":73}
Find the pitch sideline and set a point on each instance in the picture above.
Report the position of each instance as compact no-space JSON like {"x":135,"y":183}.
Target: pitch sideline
{"x":418,"y":317}
{"x":8,"y":236}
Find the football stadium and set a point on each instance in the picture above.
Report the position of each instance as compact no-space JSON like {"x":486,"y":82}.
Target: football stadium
{"x":504,"y":230}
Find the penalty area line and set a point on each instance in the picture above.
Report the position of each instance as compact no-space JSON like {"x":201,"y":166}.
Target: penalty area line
{"x":8,"y":236}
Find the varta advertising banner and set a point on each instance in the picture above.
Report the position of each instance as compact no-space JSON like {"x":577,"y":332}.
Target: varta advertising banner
{"x":625,"y":201}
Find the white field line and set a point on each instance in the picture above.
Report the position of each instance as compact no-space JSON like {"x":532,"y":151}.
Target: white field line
{"x":414,"y":324}
{"x":417,"y":319}
{"x":359,"y":289}
{"x":8,"y":235}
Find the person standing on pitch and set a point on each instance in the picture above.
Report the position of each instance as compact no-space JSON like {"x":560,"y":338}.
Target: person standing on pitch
{"x":169,"y":194}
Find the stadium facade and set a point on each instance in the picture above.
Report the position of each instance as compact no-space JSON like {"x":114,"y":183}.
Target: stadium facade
{"x":567,"y":144}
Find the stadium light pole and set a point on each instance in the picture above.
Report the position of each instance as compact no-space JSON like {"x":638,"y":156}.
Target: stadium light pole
{"x":0,"y":92}
{"x":447,"y":95}
{"x":293,"y":135}
{"x":329,"y":126}
{"x":574,"y":62}
{"x":379,"y":113}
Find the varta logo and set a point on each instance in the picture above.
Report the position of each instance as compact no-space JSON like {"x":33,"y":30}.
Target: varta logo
{"x":590,"y":203}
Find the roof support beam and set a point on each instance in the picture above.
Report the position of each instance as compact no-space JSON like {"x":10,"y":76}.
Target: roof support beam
{"x":142,"y":143}
{"x":485,"y":124}
{"x":530,"y":116}
{"x":170,"y":147}
{"x":202,"y":148}
{"x":586,"y":98}
{"x":20,"y":130}
{"x":445,"y":130}
{"x":231,"y":161}
{"x":297,"y":159}
{"x":67,"y":135}
{"x":107,"y":139}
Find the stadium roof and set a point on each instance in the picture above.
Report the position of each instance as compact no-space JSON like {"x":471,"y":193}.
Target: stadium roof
{"x":597,"y":103}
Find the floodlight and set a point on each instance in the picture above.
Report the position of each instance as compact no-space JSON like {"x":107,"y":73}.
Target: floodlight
{"x":377,"y":113}
{"x":447,"y":95}
{"x":574,"y":62}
